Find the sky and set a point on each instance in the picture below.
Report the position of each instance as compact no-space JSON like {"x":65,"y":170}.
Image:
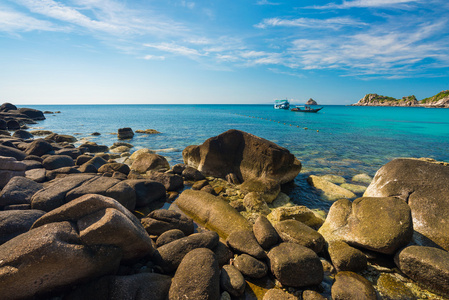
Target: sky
{"x":221,"y":52}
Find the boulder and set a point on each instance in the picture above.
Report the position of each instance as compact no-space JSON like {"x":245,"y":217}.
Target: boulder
{"x":346,"y":258}
{"x":363,"y":178}
{"x":350,"y":285}
{"x":57,"y":161}
{"x":212,"y":212}
{"x":61,"y":138}
{"x":39,"y":147}
{"x":102,"y":220}
{"x":250,"y":266}
{"x":3,"y":125}
{"x":12,"y":125}
{"x":295,"y":265}
{"x":170,"y":255}
{"x":159,"y":221}
{"x":265,"y":233}
{"x":32,"y":164}
{"x":12,"y":152}
{"x":5,"y":107}
{"x":147,"y":191}
{"x":254,"y":203}
{"x":150,"y":162}
{"x":15,"y":222}
{"x":19,"y":190}
{"x":296,"y":232}
{"x":9,"y":168}
{"x":125,"y":133}
{"x":268,"y":189}
{"x":193,"y":174}
{"x":197,"y":277}
{"x":278,"y":294}
{"x":37,"y":261}
{"x":392,"y":288}
{"x":299,"y":213}
{"x":93,"y":164}
{"x":312,"y":295}
{"x":223,"y":253}
{"x":243,"y":241}
{"x":243,"y":154}
{"x":169,"y":236}
{"x":426,"y":192}
{"x":427,"y":265}
{"x":72,"y":152}
{"x":232,"y":281}
{"x":61,"y":172}
{"x":22,"y":134}
{"x":37,"y":175}
{"x":379,"y":224}
{"x":114,"y":167}
{"x":93,"y":147}
{"x":172,"y":182}
{"x":32,"y":113}
{"x":329,"y":191}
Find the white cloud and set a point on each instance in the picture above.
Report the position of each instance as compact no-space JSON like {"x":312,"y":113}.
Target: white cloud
{"x":368,"y":3}
{"x":331,"y":23}
{"x":175,"y":49}
{"x":154,"y":57}
{"x":266,"y":2}
{"x":11,"y":21}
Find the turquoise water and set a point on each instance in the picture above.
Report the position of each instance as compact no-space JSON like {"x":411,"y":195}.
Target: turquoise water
{"x":341,"y":140}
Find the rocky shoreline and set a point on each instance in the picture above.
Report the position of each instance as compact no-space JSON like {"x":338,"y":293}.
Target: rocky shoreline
{"x":440,"y":100}
{"x":88,"y":222}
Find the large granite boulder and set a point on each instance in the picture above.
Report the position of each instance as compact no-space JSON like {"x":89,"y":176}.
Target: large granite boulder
{"x":243,"y":154}
{"x":172,"y":182}
{"x":12,"y":152}
{"x":102,"y":220}
{"x":19,"y":190}
{"x":427,"y":265}
{"x":15,"y":222}
{"x":9,"y":168}
{"x":125,"y":133}
{"x":212,"y":212}
{"x":147,"y":191}
{"x":345,"y":257}
{"x":424,"y":186}
{"x":22,"y":134}
{"x":32,"y":113}
{"x":161,"y":220}
{"x":39,"y":147}
{"x":244,"y":241}
{"x":61,"y":138}
{"x":51,"y":257}
{"x":296,"y":232}
{"x":381,"y":224}
{"x":5,"y":107}
{"x":198,"y":277}
{"x":150,"y":162}
{"x":250,"y":266}
{"x":54,"y":162}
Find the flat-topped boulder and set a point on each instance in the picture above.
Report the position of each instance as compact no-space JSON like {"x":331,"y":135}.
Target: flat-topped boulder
{"x":424,"y":186}
{"x":243,"y":154}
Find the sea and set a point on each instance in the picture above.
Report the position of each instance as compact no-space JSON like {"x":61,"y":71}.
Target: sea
{"x":338,"y":140}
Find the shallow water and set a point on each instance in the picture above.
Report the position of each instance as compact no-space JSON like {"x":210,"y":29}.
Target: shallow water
{"x":341,"y":140}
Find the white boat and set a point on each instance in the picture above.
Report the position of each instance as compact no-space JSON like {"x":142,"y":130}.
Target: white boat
{"x":281,"y":104}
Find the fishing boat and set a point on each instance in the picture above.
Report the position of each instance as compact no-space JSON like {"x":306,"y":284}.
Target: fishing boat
{"x":306,"y":108}
{"x":281,"y":104}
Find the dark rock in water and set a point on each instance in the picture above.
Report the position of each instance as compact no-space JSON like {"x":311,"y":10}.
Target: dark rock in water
{"x":13,"y":125}
{"x":169,"y":236}
{"x":212,"y":212}
{"x":350,"y":285}
{"x":141,"y":286}
{"x":197,"y":277}
{"x":22,"y":134}
{"x":193,"y":174}
{"x":58,"y":161}
{"x":150,"y":162}
{"x":265,"y":233}
{"x":250,"y":266}
{"x":60,"y":138}
{"x":15,"y":222}
{"x":19,"y":190}
{"x":147,"y":191}
{"x":295,"y":265}
{"x":125,"y":133}
{"x":12,"y":152}
{"x":296,"y":232}
{"x":36,"y":261}
{"x":4,"y":133}
{"x":95,"y":133}
{"x":426,"y":192}
{"x":5,"y":107}
{"x":232,"y":281}
{"x":159,"y":221}
{"x":170,"y":255}
{"x":427,"y":265}
{"x":102,"y":220}
{"x":32,"y":113}
{"x":243,"y":154}
{"x":243,"y":241}
{"x":172,"y":182}
{"x":346,"y":258}
{"x":92,"y":147}
{"x":114,"y":167}
{"x":379,"y":224}
{"x":39,"y":147}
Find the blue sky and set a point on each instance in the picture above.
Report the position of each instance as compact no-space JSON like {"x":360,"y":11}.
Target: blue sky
{"x":253,"y":51}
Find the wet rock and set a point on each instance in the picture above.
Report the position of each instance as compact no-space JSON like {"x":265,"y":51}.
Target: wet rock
{"x":41,"y":132}
{"x":391,"y":288}
{"x":312,"y":295}
{"x":147,"y":131}
{"x":197,"y":277}
{"x":295,"y":265}
{"x":150,"y":162}
{"x":193,"y":174}
{"x":334,"y":178}
{"x":16,"y":222}
{"x":350,"y":285}
{"x":36,"y":261}
{"x":296,"y":232}
{"x":102,"y":220}
{"x":125,"y":133}
{"x":364,"y":178}
{"x":346,"y":258}
{"x":379,"y":224}
{"x":3,"y":125}
{"x":84,"y":158}
{"x":147,"y":191}
{"x":212,"y":212}
{"x":19,"y":190}
{"x":299,"y":213}
{"x":232,"y":281}
{"x":200,"y":184}
{"x":57,"y":161}
{"x":255,"y":204}
{"x":172,"y":182}
{"x":426,"y":192}
{"x":159,"y":221}
{"x":250,"y":266}
{"x":427,"y":265}
{"x":170,"y":255}
{"x":329,"y":191}
{"x":169,"y":236}
{"x":243,"y":154}
{"x":22,"y":134}
{"x":357,"y":189}
{"x":5,"y":107}
{"x":243,"y":241}
{"x":265,"y":233}
{"x":178,"y":168}
{"x":267,"y":189}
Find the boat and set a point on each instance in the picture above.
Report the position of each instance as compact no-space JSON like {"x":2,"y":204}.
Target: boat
{"x":306,"y":108}
{"x":281,"y":104}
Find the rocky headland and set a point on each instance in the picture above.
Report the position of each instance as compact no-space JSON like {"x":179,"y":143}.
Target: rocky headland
{"x":440,"y":100}
{"x":98,"y":222}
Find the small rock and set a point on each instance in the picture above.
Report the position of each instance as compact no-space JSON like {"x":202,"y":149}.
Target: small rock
{"x":299,"y":233}
{"x":265,"y":233}
{"x":250,"y":266}
{"x":244,"y":242}
{"x":232,"y":281}
{"x":350,"y":285}
{"x":125,"y":133}
{"x":345,"y":257}
{"x":169,"y":236}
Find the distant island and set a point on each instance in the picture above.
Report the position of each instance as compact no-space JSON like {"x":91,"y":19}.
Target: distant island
{"x":311,"y":102}
{"x":440,"y":100}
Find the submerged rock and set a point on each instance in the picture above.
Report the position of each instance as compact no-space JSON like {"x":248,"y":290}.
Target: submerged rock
{"x":329,"y":191}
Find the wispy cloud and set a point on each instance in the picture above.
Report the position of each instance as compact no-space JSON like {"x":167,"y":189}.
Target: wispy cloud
{"x":154,"y":57}
{"x":266,"y":2}
{"x":331,"y":23}
{"x":368,"y":3}
{"x":11,"y":21}
{"x":176,"y":49}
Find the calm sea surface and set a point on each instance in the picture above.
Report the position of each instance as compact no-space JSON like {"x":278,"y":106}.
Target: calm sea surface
{"x":340,"y":140}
